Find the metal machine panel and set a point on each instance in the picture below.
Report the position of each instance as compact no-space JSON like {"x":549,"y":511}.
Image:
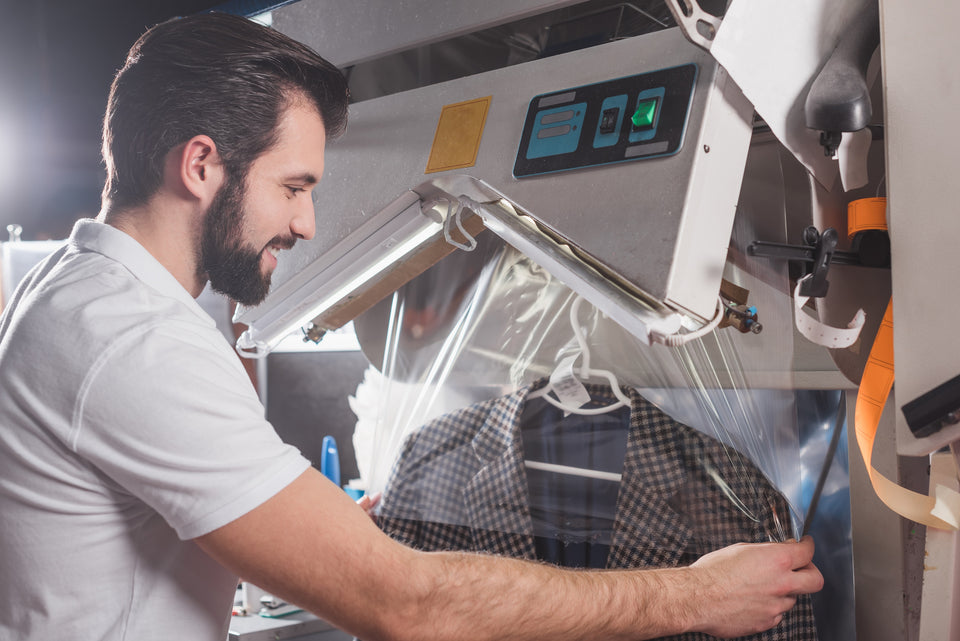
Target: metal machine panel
{"x":621,"y":120}
{"x":657,"y":225}
{"x":389,"y":26}
{"x":922,"y":165}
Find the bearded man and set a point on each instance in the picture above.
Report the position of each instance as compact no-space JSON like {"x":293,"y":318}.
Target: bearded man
{"x":138,"y":476}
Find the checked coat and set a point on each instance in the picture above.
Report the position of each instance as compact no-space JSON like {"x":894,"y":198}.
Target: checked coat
{"x":460,"y":484}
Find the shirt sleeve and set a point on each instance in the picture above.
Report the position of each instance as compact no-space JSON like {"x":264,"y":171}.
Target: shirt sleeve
{"x":169,"y":414}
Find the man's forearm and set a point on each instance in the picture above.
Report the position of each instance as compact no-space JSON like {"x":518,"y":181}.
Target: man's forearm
{"x":735,"y":591}
{"x":468,"y":596}
{"x":336,"y":563}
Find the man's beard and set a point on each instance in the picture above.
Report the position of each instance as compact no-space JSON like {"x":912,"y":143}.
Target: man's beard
{"x":232,"y":267}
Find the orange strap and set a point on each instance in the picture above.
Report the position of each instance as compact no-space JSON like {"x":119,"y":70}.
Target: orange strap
{"x":865,"y":214}
{"x":943,"y":510}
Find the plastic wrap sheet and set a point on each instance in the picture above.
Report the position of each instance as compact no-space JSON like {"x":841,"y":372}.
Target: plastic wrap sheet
{"x":680,"y":452}
{"x":700,"y":457}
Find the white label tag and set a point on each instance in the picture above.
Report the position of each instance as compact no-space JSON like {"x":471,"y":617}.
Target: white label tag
{"x":568,"y":388}
{"x":819,"y":333}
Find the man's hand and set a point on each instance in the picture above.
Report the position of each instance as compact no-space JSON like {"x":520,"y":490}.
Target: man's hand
{"x":747,"y":588}
{"x":369,"y":504}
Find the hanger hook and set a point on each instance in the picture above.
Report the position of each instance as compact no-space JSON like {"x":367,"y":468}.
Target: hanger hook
{"x":579,"y":334}
{"x":454,"y":210}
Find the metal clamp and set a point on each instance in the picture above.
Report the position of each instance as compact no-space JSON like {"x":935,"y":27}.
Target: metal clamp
{"x":697,"y":25}
{"x":816,"y":255}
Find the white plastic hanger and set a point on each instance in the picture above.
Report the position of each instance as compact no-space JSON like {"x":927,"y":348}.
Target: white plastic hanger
{"x":585,"y":372}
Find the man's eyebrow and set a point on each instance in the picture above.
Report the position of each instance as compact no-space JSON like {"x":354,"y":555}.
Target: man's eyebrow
{"x":306,"y":178}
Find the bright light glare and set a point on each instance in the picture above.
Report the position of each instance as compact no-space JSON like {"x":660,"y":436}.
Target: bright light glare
{"x":351,"y":270}
{"x":343,"y":339}
{"x":7,"y":157}
{"x":266,"y":18}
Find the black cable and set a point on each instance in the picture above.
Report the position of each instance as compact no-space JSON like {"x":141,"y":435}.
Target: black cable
{"x":828,"y":462}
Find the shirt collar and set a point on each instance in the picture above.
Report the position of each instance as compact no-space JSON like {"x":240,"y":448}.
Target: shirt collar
{"x":91,"y":235}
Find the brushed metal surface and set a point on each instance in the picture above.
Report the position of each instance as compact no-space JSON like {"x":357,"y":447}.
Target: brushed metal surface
{"x":347,"y":32}
{"x":662,"y":224}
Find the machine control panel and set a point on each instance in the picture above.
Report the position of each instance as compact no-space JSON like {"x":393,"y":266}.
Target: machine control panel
{"x":630,"y":118}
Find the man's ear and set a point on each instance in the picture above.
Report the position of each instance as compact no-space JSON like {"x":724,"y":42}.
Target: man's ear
{"x":201,"y":169}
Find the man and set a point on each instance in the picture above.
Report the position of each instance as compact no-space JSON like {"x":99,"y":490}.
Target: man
{"x":139,"y":477}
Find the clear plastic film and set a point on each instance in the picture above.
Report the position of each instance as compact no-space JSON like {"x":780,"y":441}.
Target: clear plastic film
{"x":491,"y":327}
{"x":694,"y":449}
{"x":685,"y":450}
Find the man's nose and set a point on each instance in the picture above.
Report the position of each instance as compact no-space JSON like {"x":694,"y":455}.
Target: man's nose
{"x":304,"y":224}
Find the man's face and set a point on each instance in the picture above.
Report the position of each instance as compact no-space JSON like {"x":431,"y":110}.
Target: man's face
{"x":253,"y":218}
{"x":232,"y":265}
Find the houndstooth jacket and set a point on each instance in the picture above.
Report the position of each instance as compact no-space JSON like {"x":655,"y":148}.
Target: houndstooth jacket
{"x":460,"y":484}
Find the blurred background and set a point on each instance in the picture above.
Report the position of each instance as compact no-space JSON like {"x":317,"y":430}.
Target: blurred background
{"x":57,"y":58}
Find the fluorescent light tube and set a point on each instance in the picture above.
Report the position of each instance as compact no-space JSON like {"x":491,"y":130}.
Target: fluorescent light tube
{"x":359,"y":259}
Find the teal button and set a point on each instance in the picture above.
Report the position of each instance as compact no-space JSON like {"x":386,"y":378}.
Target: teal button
{"x":645,"y":113}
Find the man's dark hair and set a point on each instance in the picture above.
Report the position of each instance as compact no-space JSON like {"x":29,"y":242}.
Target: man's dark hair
{"x":210,"y":74}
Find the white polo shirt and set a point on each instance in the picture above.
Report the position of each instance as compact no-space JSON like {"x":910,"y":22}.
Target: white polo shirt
{"x":128,"y":427}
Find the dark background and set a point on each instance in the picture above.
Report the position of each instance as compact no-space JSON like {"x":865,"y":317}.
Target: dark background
{"x":57,"y":59}
{"x":307,"y":400}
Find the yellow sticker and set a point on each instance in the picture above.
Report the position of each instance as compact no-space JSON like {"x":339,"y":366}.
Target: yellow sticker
{"x":459,"y":130}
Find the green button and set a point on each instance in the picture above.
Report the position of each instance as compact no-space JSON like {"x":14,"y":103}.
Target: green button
{"x":643,"y":116}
